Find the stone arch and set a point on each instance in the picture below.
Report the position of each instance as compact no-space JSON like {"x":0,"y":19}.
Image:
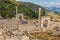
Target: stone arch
{"x":45,"y":23}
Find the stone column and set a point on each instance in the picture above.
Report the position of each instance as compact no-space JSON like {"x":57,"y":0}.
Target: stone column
{"x":16,"y":12}
{"x":39,"y":20}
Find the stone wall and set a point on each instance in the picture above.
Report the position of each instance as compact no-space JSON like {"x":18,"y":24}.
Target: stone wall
{"x":45,"y":21}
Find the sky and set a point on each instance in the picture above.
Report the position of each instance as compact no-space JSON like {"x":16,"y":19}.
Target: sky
{"x":46,"y":3}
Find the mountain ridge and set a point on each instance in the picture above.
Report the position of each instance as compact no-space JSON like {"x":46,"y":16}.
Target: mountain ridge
{"x":54,"y":9}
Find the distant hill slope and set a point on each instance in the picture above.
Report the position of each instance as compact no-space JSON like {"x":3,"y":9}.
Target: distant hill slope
{"x":8,"y":9}
{"x":55,"y":9}
{"x":32,"y":6}
{"x":35,"y":7}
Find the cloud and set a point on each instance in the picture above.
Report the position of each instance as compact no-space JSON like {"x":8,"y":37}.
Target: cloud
{"x":55,"y":3}
{"x":45,"y":2}
{"x":50,"y":4}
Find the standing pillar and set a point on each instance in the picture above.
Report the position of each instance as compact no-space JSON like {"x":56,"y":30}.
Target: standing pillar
{"x":16,"y":12}
{"x":39,"y":20}
{"x":17,"y":19}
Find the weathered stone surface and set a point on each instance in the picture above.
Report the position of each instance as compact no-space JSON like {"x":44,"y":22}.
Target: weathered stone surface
{"x":25,"y":38}
{"x":13,"y":38}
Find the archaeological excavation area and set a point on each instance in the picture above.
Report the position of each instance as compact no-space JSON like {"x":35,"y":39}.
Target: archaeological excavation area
{"x":19,"y":28}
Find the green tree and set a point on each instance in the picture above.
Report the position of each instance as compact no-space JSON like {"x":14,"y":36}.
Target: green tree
{"x":43,"y":13}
